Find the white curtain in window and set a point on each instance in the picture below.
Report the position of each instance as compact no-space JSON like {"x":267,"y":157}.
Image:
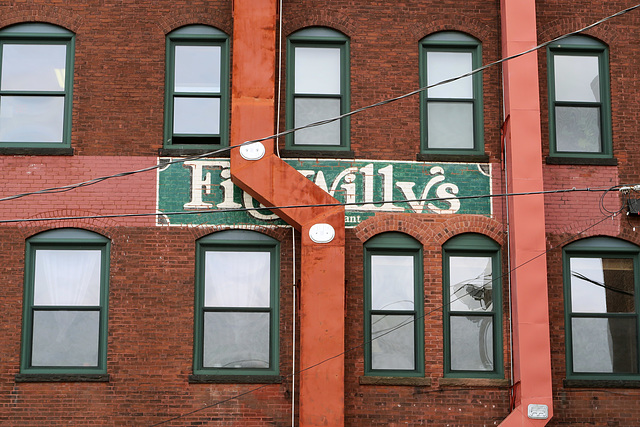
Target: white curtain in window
{"x":237,"y":279}
{"x":67,"y":277}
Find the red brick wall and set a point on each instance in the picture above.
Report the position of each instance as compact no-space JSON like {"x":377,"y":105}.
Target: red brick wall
{"x":461,"y":402}
{"x":118,"y":109}
{"x":571,"y":213}
{"x":150,"y":342}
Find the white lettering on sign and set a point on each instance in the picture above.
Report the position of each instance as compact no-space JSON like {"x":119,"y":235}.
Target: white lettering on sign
{"x":346,"y":182}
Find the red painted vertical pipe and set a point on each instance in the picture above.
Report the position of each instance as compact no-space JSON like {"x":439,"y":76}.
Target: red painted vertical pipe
{"x":274,"y":183}
{"x":529,"y":299}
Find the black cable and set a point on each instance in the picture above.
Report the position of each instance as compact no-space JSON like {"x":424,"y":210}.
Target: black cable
{"x":323,"y":122}
{"x":213,"y":211}
{"x":424,"y":316}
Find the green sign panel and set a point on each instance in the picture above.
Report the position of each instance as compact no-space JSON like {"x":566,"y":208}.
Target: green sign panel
{"x":196,"y":192}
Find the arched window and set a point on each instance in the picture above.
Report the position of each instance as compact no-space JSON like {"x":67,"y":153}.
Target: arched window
{"x":579,"y":104}
{"x":197,"y":88}
{"x":601,"y":308}
{"x":318,"y":88}
{"x":237,"y":295}
{"x":36,"y":83}
{"x":472,"y":307}
{"x":394,"y":323}
{"x":452,"y":113}
{"x":65,"y":303}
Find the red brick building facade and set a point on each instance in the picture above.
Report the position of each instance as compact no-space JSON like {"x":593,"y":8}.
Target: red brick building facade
{"x":199,"y":309}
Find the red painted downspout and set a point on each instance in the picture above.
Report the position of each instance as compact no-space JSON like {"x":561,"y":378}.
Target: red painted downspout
{"x":274,"y":183}
{"x":529,"y":299}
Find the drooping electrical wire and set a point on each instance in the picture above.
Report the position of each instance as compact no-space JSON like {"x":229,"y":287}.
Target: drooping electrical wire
{"x":228,"y":210}
{"x":367,"y":342}
{"x":323,"y":122}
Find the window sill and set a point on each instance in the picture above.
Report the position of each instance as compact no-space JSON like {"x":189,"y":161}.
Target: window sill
{"x":464,"y":158}
{"x":318,"y":154}
{"x":180,"y":152}
{"x":601,"y":383}
{"x":586,"y":161}
{"x":36,"y":151}
{"x":235,"y":379}
{"x":408,"y":381}
{"x":62,"y":378}
{"x":473,"y":382}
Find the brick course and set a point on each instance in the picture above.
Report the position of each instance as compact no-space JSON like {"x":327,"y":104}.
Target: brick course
{"x":118,"y":107}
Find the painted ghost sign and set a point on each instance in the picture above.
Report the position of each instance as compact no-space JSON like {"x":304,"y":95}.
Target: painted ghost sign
{"x":201,"y":191}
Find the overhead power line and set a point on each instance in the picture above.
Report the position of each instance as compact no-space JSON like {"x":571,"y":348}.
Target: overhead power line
{"x":513,"y":269}
{"x":322,"y":122}
{"x":362,"y":344}
{"x":284,"y":207}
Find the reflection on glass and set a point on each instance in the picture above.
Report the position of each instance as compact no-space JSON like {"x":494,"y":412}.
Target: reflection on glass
{"x":236,"y":340}
{"x":317,"y":70}
{"x":471,"y":343}
{"x":196,"y":116}
{"x":602,"y":285}
{"x":450,"y":124}
{"x":311,"y":110}
{"x":392,"y":345}
{"x":67,"y":277}
{"x":391,"y":282}
{"x":33,"y":67}
{"x":197,"y":69}
{"x":446,"y":65}
{"x":604,"y":345}
{"x":471,"y":284}
{"x":576,"y":78}
{"x":31,"y":118}
{"x":65,"y":338}
{"x":237,"y":279}
{"x":578,"y":129}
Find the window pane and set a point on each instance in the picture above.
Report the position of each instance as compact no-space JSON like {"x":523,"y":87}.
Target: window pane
{"x":393,"y":345}
{"x":470,"y":286}
{"x":602,"y":285}
{"x":471,"y":343}
{"x":445,"y":65}
{"x":604,"y":345}
{"x":31,"y":118}
{"x":237,"y":279}
{"x":317,"y":70}
{"x":196,"y":116}
{"x":578,"y":129}
{"x":67,"y":277}
{"x":65,"y":338}
{"x":236,"y":340}
{"x":450,"y":125}
{"x":33,"y":67}
{"x":392,"y":282}
{"x":197,"y":69}
{"x":576,"y":78}
{"x":311,"y":110}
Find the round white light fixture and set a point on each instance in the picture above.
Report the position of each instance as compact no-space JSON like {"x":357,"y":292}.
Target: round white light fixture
{"x":253,"y":151}
{"x":322,"y":233}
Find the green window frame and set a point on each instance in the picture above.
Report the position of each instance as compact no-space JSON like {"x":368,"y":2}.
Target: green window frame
{"x":601,"y":286}
{"x":197,"y":88}
{"x":318,"y":84}
{"x":472,"y":307}
{"x":36,"y":85}
{"x":579,"y":98}
{"x":393,"y":306}
{"x":451,"y":114}
{"x":65,"y":303}
{"x":237,"y":304}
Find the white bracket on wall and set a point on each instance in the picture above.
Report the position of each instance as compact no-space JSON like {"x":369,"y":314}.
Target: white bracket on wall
{"x":322,"y":233}
{"x":253,"y":151}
